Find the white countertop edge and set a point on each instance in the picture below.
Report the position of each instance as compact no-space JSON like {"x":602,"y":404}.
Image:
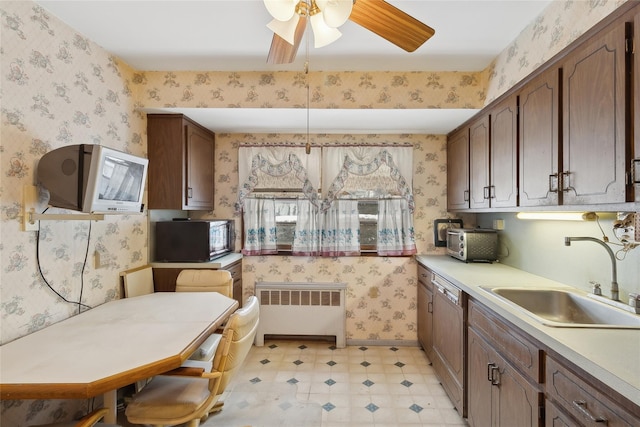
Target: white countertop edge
{"x":221,"y":262}
{"x":621,"y":374}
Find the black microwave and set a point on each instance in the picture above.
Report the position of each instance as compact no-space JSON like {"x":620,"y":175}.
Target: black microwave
{"x":193,"y":240}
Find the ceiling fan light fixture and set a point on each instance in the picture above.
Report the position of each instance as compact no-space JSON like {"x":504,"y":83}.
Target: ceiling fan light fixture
{"x":335,"y":12}
{"x":323,"y":34}
{"x":282,"y":10}
{"x":285,"y":29}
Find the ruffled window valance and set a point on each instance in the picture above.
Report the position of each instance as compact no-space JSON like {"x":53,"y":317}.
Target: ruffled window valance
{"x":327,"y":225}
{"x":281,"y":169}
{"x":351,"y":167}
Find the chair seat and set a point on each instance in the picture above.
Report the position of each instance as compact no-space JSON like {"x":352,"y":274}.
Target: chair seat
{"x":168,"y":398}
{"x":176,"y":398}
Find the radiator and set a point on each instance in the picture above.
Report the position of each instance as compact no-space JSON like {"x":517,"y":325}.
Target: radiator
{"x":288,"y":308}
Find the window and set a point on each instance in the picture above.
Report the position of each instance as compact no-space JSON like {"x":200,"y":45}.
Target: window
{"x":287,"y":218}
{"x":367,"y":208}
{"x":368,"y":218}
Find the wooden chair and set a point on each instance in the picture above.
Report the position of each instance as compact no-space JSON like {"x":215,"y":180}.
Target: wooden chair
{"x":201,"y":280}
{"x":189,"y":394}
{"x":137,"y":281}
{"x":89,"y":420}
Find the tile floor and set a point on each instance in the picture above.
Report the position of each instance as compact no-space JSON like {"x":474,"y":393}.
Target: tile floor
{"x":315,"y":384}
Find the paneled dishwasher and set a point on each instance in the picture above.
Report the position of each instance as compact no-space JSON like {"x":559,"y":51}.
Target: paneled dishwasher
{"x":449,"y":329}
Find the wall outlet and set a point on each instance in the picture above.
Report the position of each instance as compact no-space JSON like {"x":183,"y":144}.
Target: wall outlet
{"x":101,"y":259}
{"x":498,"y":224}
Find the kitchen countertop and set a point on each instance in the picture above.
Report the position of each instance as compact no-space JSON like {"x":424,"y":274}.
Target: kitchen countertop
{"x":610,"y":355}
{"x":222,"y":262}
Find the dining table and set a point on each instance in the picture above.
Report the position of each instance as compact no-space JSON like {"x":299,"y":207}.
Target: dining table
{"x":110,"y":346}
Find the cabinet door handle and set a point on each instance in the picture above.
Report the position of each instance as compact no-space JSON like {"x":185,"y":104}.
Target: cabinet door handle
{"x":491,"y":369}
{"x":491,"y":374}
{"x":635,"y":171}
{"x":553,"y":179}
{"x":430,"y":307}
{"x":581,"y":405}
{"x":487,"y":192}
{"x":189,"y":193}
{"x":566,"y":181}
{"x":466,"y":195}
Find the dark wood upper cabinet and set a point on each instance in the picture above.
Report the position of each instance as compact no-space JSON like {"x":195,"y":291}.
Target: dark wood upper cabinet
{"x":479,"y":190}
{"x":635,"y":90}
{"x":181,"y":163}
{"x":594,"y":132}
{"x":569,"y":134}
{"x":199,"y":168}
{"x":539,"y":122}
{"x":458,"y":169}
{"x":503,"y":186}
{"x":489,"y":145}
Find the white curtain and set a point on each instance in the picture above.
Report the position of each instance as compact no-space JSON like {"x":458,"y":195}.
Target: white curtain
{"x":329,"y":226}
{"x":341,"y":229}
{"x":396,"y":235}
{"x":306,"y":237}
{"x":259,"y":226}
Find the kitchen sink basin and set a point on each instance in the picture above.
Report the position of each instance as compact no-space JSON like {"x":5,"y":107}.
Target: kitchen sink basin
{"x":567,"y":308}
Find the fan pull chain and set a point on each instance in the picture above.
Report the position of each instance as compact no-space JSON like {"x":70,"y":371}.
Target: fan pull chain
{"x":307,"y":147}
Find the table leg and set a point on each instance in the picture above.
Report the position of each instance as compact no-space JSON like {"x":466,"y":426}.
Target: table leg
{"x":111,"y":401}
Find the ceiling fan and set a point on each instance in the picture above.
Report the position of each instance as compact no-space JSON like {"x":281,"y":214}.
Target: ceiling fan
{"x":325,"y":16}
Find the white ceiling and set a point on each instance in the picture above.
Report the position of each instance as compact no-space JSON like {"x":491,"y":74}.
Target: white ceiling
{"x":224,"y":35}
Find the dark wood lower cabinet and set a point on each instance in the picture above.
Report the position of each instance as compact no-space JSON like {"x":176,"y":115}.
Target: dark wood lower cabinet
{"x":164,"y":279}
{"x":498,"y":394}
{"x":503,"y":383}
{"x":577,"y":402}
{"x":554,"y":417}
{"x":479,"y":387}
{"x":506,"y":376}
{"x":425,"y":311}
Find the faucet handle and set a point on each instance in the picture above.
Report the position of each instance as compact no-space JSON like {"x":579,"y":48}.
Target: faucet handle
{"x":596,"y":288}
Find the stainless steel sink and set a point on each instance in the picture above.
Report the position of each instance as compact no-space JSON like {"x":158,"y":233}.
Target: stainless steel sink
{"x":567,"y":308}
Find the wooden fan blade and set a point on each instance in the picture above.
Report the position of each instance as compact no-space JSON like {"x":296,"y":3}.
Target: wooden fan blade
{"x":391,"y":23}
{"x":281,"y":52}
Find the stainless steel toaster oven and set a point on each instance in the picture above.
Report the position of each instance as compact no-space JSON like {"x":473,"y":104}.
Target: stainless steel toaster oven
{"x":473,"y":244}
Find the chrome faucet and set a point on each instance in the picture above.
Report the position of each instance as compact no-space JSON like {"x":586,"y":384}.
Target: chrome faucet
{"x":615,"y":295}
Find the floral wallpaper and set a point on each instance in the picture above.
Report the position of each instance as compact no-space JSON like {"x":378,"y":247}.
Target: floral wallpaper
{"x":59,"y":88}
{"x":562,"y":22}
{"x":391,"y":316}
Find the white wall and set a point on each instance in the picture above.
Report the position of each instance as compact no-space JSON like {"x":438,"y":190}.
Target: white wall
{"x":538,"y":247}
